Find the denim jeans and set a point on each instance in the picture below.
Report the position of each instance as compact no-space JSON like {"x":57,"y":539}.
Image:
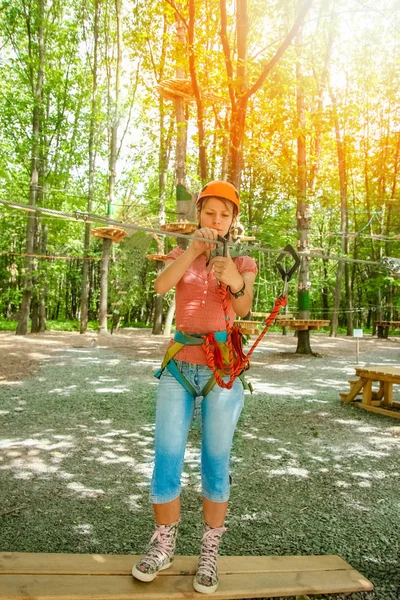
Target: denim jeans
{"x":220,"y":411}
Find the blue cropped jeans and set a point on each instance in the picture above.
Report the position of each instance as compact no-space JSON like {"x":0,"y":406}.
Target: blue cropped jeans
{"x":220,"y":411}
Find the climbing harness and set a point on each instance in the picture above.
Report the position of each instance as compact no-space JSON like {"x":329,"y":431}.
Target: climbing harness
{"x":223,"y":349}
{"x":181,"y":339}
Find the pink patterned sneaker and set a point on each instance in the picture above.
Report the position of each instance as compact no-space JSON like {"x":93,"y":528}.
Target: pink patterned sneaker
{"x":160,"y":553}
{"x":206,"y":579}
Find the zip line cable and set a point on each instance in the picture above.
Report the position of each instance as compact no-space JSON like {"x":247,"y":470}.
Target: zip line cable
{"x":81,"y":216}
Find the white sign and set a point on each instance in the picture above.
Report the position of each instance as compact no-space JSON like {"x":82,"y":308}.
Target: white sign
{"x":357,"y":333}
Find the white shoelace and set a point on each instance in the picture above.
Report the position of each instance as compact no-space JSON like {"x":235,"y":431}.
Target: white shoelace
{"x":209,"y":552}
{"x":162,"y":549}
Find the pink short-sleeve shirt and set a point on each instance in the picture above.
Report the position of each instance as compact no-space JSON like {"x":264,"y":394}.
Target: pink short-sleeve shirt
{"x":198,"y":307}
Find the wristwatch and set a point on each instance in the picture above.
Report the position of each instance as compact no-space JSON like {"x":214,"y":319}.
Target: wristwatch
{"x":238,"y":294}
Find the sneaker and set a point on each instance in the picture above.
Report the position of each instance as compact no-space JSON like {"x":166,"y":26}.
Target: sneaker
{"x":206,"y":580}
{"x":160,"y":553}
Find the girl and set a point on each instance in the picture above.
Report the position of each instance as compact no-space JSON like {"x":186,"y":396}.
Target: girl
{"x":185,"y":375}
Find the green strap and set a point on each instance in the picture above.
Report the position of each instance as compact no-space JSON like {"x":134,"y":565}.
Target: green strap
{"x":170,"y":353}
{"x":172,"y":367}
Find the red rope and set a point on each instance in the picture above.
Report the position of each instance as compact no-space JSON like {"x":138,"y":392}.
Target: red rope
{"x":238,"y":362}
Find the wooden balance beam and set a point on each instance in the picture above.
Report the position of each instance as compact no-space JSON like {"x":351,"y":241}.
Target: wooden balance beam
{"x":380,"y":400}
{"x":108,"y":577}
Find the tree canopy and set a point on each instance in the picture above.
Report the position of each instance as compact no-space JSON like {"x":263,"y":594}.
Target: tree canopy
{"x":82,"y":108}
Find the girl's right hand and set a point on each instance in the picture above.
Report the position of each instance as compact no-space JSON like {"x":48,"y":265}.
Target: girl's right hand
{"x":200,"y":247}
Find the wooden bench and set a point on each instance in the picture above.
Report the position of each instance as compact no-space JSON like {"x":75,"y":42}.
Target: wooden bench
{"x":303,"y":324}
{"x":384,"y":326}
{"x":108,"y":577}
{"x":379,"y":400}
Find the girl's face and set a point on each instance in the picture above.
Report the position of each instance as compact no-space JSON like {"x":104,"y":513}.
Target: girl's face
{"x":216,"y":214}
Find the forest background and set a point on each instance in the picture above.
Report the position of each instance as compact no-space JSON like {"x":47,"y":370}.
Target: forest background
{"x":296,"y":103}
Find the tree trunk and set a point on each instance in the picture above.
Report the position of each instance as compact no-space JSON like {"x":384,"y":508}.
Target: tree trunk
{"x":303,"y":216}
{"x":197,"y":95}
{"x":37,"y":86}
{"x":112,"y":163}
{"x":349,"y":299}
{"x":239,"y":92}
{"x":163,"y":160}
{"x":343,"y":218}
{"x":391,"y":290}
{"x":184,"y":200}
{"x":104,"y":286}
{"x":169,"y":318}
{"x":158,"y":315}
{"x":92,"y":166}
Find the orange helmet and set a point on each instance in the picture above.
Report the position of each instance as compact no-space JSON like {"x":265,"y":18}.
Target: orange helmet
{"x":220,"y":189}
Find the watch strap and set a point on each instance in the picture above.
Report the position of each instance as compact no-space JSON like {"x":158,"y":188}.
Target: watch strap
{"x":238,"y":294}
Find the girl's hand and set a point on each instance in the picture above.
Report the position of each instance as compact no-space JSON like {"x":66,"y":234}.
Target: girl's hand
{"x":200,"y":247}
{"x":225,"y":270}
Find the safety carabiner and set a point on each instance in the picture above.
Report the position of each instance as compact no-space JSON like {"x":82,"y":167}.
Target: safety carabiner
{"x":287,"y":275}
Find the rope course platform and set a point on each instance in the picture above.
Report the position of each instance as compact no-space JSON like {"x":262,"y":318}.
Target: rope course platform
{"x":108,"y":577}
{"x":176,"y":88}
{"x":185,"y":227}
{"x":248,"y":327}
{"x":115,"y":234}
{"x":303,"y":324}
{"x":160,"y":257}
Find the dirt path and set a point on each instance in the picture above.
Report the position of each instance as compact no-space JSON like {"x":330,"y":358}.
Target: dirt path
{"x":310,"y":475}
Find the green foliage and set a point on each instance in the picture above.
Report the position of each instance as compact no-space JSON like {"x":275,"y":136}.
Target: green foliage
{"x":363,"y":75}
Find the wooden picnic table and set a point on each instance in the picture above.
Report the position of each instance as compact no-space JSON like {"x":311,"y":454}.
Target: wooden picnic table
{"x":384,"y":326}
{"x":375,"y":400}
{"x":303,"y":324}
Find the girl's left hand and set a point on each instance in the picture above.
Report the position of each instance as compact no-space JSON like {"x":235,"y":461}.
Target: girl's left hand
{"x":225,"y":270}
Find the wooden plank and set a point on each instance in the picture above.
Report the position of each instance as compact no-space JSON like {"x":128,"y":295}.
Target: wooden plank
{"x":378,"y":395}
{"x":381,"y":411}
{"x":367,"y":392}
{"x":380,"y":373}
{"x":387,"y":393}
{"x":384,"y":369}
{"x":179,"y":587}
{"x":302,"y":325}
{"x":354,"y":390}
{"x":382,"y":377}
{"x":112,"y":564}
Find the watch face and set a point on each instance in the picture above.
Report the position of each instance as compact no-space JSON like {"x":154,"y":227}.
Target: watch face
{"x":238,"y":294}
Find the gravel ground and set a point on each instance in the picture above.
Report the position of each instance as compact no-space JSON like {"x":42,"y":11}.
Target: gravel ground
{"x":310,"y":476}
